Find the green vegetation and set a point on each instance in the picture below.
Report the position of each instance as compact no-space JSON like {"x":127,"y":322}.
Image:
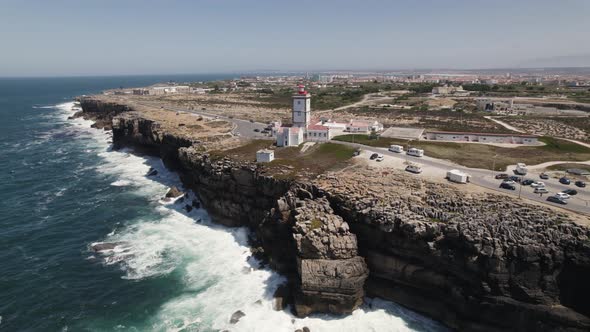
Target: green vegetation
{"x":315,"y":224}
{"x":482,"y":155}
{"x":289,"y":162}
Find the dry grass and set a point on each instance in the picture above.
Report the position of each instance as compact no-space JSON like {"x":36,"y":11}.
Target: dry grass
{"x":482,"y":155}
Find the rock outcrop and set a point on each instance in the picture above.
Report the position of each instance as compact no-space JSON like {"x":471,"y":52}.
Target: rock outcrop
{"x":476,"y":262}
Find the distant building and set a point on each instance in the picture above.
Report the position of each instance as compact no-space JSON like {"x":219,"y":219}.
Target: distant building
{"x":265,"y":156}
{"x":495,"y":105}
{"x":447,"y":90}
{"x":356,"y":126}
{"x":480,"y":137}
{"x":170,"y":89}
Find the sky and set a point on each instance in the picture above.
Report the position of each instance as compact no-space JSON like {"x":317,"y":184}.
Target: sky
{"x":108,"y":37}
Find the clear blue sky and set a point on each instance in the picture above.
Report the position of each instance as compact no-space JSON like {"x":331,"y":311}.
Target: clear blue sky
{"x":80,"y":37}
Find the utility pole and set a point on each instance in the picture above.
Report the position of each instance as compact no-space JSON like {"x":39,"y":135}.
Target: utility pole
{"x":520,"y":189}
{"x":494,"y":166}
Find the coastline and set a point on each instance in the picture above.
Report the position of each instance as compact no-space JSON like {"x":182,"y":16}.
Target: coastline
{"x":203,"y":175}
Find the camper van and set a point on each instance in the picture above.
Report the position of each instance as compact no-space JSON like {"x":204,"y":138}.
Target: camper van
{"x":414,"y":168}
{"x":521,"y":169}
{"x":457,"y":176}
{"x":396,"y":148}
{"x":415,"y":152}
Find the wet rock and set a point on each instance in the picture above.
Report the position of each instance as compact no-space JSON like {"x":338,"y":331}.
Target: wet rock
{"x":281,"y":297}
{"x":103,"y":246}
{"x":236,"y":316}
{"x":196,"y":204}
{"x":152,"y":172}
{"x":173,"y":192}
{"x":188,"y":208}
{"x":306,"y":329}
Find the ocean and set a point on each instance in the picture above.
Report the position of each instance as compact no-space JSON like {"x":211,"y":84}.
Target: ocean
{"x":62,"y":189}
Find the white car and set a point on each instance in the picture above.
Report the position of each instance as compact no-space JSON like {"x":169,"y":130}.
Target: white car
{"x":538,"y":184}
{"x":541,"y":190}
{"x":562,"y":195}
{"x":380,"y":158}
{"x":509,"y":182}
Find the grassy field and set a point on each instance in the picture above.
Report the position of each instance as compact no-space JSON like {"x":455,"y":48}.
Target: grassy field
{"x":289,"y":161}
{"x":482,"y":155}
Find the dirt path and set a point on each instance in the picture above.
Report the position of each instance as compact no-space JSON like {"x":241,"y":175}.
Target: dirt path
{"x":504,"y":124}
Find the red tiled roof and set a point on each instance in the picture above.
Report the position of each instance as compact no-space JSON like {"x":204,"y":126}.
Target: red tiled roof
{"x":317,"y":127}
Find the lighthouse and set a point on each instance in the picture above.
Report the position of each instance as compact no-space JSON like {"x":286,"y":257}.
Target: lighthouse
{"x":301,"y":108}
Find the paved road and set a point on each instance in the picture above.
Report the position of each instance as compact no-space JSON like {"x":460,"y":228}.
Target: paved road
{"x":243,"y":128}
{"x":485,"y":178}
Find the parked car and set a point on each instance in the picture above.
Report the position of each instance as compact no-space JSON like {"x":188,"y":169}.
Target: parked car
{"x":506,"y":185}
{"x":374,"y":156}
{"x":562,"y":195}
{"x":544,"y":176}
{"x":379,"y":158}
{"x":527,"y":182}
{"x":556,"y":199}
{"x":515,"y":178}
{"x":509,"y":182}
{"x":501,"y":176}
{"x":565,"y":180}
{"x":570,"y":192}
{"x":541,"y":190}
{"x":538,"y":184}
{"x":251,"y":120}
{"x":580,"y":184}
{"x":356,"y":152}
{"x":257,"y":130}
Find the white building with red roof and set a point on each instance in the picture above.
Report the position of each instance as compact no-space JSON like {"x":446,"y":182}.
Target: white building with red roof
{"x":357,"y":126}
{"x":319,"y":133}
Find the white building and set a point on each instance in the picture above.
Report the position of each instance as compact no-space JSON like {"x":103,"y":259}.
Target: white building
{"x":171,"y":89}
{"x":355,"y":126}
{"x":319,"y":133}
{"x":289,"y":136}
{"x":265,"y":156}
{"x":480,"y":137}
{"x":301,"y":110}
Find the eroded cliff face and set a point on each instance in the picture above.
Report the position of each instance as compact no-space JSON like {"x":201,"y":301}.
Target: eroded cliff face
{"x":475,"y":263}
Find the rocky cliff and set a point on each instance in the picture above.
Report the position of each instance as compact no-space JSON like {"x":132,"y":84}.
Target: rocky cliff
{"x":475,"y":262}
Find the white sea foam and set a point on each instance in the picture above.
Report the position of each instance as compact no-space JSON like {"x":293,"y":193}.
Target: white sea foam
{"x":121,"y":183}
{"x":216,"y":271}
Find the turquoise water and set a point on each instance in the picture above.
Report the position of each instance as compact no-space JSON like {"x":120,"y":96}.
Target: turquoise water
{"x":63,"y":189}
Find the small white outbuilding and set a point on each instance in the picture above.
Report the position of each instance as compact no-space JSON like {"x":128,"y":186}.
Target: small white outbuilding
{"x":265,"y":156}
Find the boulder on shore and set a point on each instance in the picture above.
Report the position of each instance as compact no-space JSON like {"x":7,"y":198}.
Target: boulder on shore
{"x":173,"y":192}
{"x":235,"y":317}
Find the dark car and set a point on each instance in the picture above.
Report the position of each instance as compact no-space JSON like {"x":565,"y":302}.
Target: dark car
{"x":251,"y":120}
{"x":527,"y":182}
{"x":580,"y":184}
{"x":374,"y":156}
{"x":570,"y":192}
{"x":505,"y":185}
{"x":515,"y":178}
{"x":257,"y":130}
{"x":565,"y":180}
{"x":556,"y":200}
{"x":544,"y":176}
{"x":502,"y":176}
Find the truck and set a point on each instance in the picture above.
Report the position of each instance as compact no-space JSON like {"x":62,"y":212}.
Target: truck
{"x":415,"y":152}
{"x":521,"y":169}
{"x":457,"y":176}
{"x":396,"y":148}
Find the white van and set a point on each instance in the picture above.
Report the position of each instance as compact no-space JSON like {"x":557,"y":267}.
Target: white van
{"x":414,"y":168}
{"x":521,"y":169}
{"x":457,"y":176}
{"x":396,"y":148}
{"x":415,"y":152}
